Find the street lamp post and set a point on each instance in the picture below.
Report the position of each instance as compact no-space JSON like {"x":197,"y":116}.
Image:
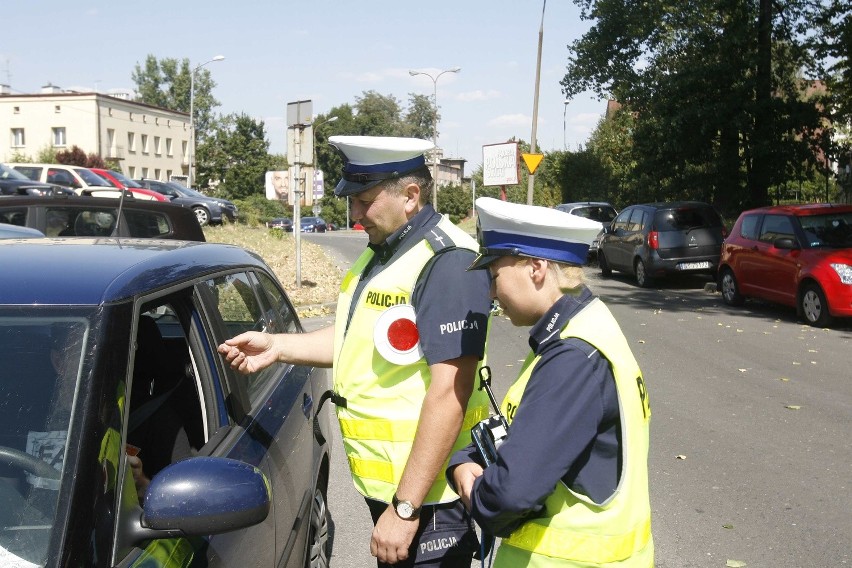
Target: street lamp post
{"x":564,"y":110}
{"x":435,"y":131}
{"x":190,"y":178}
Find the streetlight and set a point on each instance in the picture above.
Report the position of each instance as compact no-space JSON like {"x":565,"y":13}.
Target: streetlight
{"x":190,"y":177}
{"x":435,"y":132}
{"x":564,"y":110}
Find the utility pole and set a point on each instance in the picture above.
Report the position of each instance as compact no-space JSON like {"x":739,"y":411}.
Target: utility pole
{"x":535,"y":103}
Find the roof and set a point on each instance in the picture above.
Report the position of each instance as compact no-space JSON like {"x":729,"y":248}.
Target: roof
{"x":804,"y":209}
{"x":81,"y":271}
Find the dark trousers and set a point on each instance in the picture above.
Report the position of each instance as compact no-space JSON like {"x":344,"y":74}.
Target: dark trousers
{"x":446,"y":537}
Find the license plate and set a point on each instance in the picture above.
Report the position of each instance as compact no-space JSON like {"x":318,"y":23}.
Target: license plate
{"x":693,"y":265}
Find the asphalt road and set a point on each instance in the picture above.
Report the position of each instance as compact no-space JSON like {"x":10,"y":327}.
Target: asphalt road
{"x":751,"y":438}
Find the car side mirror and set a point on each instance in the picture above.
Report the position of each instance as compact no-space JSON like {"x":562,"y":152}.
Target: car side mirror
{"x":785,"y":243}
{"x":202,"y":496}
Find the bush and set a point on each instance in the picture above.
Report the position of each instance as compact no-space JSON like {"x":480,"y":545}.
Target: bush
{"x":257,"y":210}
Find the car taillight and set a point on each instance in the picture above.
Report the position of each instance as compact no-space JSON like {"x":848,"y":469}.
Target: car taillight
{"x":653,"y":240}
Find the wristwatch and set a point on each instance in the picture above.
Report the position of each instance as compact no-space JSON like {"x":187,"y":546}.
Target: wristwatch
{"x":405,"y":509}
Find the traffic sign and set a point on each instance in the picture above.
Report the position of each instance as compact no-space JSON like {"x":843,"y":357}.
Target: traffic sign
{"x":532,"y":161}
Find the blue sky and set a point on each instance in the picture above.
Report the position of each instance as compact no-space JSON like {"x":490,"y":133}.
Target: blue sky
{"x":329,"y":52}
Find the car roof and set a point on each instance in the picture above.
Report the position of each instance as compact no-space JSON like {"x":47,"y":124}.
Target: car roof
{"x":8,"y":231}
{"x":95,"y":271}
{"x":672,"y":204}
{"x":586,"y":204}
{"x":803,"y":209}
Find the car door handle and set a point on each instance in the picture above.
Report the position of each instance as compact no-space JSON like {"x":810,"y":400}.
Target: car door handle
{"x":307,"y":405}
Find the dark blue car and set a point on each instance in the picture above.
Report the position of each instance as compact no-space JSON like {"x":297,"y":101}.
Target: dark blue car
{"x":108,"y":351}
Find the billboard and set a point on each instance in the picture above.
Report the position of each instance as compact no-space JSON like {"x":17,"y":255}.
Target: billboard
{"x":500,"y":165}
{"x":278,"y":185}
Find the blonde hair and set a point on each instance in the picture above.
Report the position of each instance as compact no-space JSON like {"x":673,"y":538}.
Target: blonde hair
{"x":569,"y":277}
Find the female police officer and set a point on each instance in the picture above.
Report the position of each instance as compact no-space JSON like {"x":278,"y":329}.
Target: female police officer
{"x":570,"y":483}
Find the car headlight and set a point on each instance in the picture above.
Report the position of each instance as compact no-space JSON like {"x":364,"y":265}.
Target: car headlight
{"x":844,"y":271}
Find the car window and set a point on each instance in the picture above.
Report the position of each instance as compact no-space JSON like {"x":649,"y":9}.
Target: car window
{"x":636,"y":220}
{"x":30,"y":171}
{"x":279,"y":303}
{"x":40,"y":368}
{"x":748,"y":228}
{"x":14,"y":216}
{"x":241,"y":311}
{"x":775,"y":227}
{"x":62,"y":177}
{"x":147,"y":224}
{"x":75,"y":222}
{"x":623,"y":219}
{"x":91,"y":178}
{"x":684,"y":218}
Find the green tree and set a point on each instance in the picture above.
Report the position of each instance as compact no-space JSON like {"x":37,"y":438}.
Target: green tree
{"x":235,"y":158}
{"x":166,"y":83}
{"x":420,"y":118}
{"x":712,"y":86}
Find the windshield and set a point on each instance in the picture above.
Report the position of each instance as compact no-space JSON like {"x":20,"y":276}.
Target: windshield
{"x":8,"y":173}
{"x":124,"y":179}
{"x":829,"y":230}
{"x":91,"y":178}
{"x":39,"y":370}
{"x":185,"y":191}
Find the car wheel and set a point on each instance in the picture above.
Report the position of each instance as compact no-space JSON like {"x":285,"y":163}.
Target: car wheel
{"x":319,"y":540}
{"x":814,"y":306}
{"x":642,"y":278}
{"x":603,"y":264}
{"x":202,"y":215}
{"x":730,"y":291}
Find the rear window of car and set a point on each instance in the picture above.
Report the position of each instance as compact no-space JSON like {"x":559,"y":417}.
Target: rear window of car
{"x":683,"y":218}
{"x":14,"y":216}
{"x":595,"y":213}
{"x":147,"y":224}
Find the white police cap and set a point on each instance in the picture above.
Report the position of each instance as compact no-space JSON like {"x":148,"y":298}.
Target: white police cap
{"x":370,"y":160}
{"x":527,"y":230}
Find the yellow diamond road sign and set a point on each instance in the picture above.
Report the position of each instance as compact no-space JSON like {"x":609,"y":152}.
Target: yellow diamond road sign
{"x":532,"y":161}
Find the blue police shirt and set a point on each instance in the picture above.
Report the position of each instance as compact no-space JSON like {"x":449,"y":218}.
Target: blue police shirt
{"x":450,"y":303}
{"x":567,"y":428}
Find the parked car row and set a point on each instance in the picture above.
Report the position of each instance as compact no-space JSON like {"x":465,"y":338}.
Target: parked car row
{"x":306,"y":224}
{"x":65,"y":179}
{"x":795,"y":255}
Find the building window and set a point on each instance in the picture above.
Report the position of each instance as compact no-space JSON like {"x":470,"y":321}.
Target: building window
{"x":157,"y":173}
{"x":18,"y":140}
{"x":144,"y":118}
{"x":131,"y":142}
{"x":157,"y":150}
{"x":132,"y":171}
{"x":130,"y":115}
{"x":169,"y":147}
{"x":57,"y":109}
{"x":59,"y":136}
{"x":144,"y":143}
{"x":169,"y":175}
{"x":17,"y":110}
{"x":144,"y":172}
{"x":109,"y":111}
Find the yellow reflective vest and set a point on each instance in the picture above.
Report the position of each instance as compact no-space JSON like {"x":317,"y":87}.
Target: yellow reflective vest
{"x":383,"y":399}
{"x":572,"y":530}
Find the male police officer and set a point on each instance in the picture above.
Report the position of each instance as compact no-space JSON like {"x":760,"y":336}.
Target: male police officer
{"x":405,"y":346}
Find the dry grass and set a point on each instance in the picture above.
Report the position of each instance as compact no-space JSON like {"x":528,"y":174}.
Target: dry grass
{"x":320,"y":276}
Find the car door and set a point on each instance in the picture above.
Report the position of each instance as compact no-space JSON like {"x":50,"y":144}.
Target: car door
{"x":209,"y":417}
{"x":773,"y":271}
{"x":613,"y":243}
{"x":280,"y":400}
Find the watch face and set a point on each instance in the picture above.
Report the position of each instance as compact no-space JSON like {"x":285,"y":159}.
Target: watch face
{"x":405,"y":509}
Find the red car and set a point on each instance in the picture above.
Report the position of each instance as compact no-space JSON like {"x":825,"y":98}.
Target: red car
{"x":796,"y":255}
{"x":119,"y":180}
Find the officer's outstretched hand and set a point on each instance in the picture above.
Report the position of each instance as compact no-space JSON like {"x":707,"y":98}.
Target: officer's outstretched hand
{"x":249,"y":352}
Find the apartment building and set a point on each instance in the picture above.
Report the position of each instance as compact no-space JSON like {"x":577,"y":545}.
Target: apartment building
{"x":146,"y":141}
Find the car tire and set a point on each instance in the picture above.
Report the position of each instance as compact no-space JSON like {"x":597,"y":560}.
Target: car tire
{"x":603,"y":264}
{"x":642,"y":278}
{"x":202,"y":215}
{"x":813,"y":306}
{"x":729,"y":288}
{"x":319,"y":537}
